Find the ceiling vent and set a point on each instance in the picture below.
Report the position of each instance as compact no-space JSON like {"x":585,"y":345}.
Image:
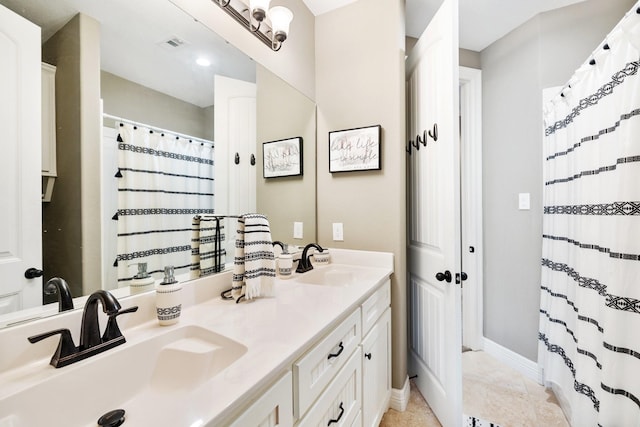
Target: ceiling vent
{"x":172,"y":42}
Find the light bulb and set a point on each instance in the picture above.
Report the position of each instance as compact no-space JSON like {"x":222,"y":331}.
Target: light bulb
{"x":280,"y":18}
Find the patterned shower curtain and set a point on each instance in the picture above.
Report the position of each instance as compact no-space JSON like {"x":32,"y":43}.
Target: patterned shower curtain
{"x":164,"y":180}
{"x":590,"y":299}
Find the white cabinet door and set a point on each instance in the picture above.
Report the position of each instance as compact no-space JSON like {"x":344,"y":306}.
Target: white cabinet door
{"x":20,"y":162}
{"x":376,"y":371}
{"x":434,"y":208}
{"x":272,"y":409}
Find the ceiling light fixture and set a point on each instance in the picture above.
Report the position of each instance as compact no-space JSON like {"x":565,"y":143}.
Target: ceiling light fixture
{"x":271,"y":26}
{"x":203,"y":62}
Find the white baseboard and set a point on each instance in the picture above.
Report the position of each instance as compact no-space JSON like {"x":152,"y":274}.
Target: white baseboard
{"x":526,"y":367}
{"x":400,"y":397}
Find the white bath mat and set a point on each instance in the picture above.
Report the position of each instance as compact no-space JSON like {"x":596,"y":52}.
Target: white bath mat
{"x":469,"y":421}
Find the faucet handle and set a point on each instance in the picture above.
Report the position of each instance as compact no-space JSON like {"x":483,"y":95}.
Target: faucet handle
{"x":66,"y":347}
{"x":112,"y":331}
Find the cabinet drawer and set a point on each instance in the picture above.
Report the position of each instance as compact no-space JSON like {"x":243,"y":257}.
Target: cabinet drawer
{"x":339,"y":404}
{"x":272,"y":409}
{"x":316,"y":369}
{"x":375,"y":305}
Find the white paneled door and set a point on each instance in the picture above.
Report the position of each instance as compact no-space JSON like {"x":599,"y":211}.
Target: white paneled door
{"x":235,"y":143}
{"x":434,"y":215}
{"x":20,"y":162}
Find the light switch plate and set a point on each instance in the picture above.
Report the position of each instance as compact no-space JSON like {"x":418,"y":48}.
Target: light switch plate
{"x":338,"y":232}
{"x":297,"y":230}
{"x":524,"y":201}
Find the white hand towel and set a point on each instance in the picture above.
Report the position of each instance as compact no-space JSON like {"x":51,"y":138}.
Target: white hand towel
{"x":255,"y":262}
{"x":207,"y":253}
{"x":212,"y":256}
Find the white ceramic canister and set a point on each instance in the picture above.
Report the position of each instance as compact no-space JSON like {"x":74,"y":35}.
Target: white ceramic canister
{"x":168,"y":299}
{"x":321,"y":258}
{"x":285,"y":265}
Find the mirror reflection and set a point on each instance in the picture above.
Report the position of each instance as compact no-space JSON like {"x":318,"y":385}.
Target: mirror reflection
{"x":145,"y":71}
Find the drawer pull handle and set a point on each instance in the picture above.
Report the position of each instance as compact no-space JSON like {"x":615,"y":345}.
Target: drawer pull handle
{"x":367,"y":355}
{"x":339,"y":416}
{"x":332,"y":355}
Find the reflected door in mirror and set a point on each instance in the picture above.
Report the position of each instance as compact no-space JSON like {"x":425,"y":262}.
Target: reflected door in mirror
{"x":235,"y":137}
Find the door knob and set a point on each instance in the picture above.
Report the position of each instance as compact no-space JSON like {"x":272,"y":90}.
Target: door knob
{"x":461,"y":277}
{"x":32,"y":273}
{"x":446,"y":276}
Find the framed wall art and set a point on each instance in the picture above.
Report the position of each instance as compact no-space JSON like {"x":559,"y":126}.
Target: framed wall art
{"x":355,"y":149}
{"x":282,"y":158}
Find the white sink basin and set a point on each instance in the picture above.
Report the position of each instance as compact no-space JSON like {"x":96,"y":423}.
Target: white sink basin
{"x":161,"y":367}
{"x":335,"y":275}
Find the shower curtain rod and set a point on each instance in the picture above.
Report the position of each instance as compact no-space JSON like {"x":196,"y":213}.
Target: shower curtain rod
{"x":157,"y":129}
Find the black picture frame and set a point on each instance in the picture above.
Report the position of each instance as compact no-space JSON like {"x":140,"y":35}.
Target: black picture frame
{"x":356,"y":149}
{"x":282,"y":158}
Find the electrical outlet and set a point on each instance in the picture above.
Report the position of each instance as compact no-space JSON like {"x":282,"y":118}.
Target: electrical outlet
{"x":338,"y":234}
{"x":524,"y":201}
{"x":297,"y":230}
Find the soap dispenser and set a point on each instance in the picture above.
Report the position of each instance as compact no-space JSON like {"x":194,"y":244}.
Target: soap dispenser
{"x":168,"y":298}
{"x":142,"y":281}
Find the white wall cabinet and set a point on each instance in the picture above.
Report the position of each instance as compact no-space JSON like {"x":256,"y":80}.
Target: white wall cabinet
{"x":49,"y":163}
{"x":343,"y":380}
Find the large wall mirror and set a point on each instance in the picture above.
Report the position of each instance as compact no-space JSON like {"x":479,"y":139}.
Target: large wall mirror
{"x":146,"y":63}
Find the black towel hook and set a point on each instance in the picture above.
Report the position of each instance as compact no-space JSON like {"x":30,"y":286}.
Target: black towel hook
{"x":434,"y":134}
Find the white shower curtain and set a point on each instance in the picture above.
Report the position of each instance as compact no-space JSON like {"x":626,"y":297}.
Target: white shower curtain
{"x":590,"y":298}
{"x":166,"y":180}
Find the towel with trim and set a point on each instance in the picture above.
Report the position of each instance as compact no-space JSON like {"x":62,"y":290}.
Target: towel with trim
{"x":254,"y":267}
{"x":207,"y":253}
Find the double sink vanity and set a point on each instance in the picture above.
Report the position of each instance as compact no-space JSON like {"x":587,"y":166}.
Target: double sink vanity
{"x":316,"y":353}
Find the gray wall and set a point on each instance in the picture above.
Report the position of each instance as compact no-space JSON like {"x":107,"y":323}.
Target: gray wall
{"x":283,"y":112}
{"x":543,"y":52}
{"x":70,"y":220}
{"x":469,"y":58}
{"x":129,"y":100}
{"x":360,"y":81}
{"x":466,"y":57}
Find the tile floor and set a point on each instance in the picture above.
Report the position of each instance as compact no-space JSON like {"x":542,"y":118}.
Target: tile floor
{"x":491,"y":391}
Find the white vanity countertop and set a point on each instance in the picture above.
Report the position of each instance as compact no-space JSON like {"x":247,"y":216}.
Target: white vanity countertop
{"x":276,"y":331}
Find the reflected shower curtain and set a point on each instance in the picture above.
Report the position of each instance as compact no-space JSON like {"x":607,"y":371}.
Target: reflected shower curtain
{"x":165,"y":181}
{"x":590,"y":291}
